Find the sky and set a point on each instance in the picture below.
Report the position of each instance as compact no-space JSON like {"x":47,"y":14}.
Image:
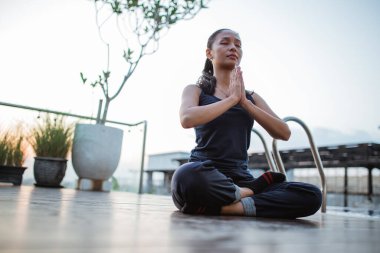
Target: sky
{"x":315,"y":60}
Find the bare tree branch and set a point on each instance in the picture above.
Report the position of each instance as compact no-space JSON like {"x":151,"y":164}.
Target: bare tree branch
{"x":148,"y":22}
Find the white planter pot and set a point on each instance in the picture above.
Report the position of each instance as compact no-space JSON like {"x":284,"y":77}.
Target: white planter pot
{"x":96,"y":151}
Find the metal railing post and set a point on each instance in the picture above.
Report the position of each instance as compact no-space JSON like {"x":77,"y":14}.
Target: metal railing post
{"x":142,"y":159}
{"x":315,"y":153}
{"x":277,"y":158}
{"x":268,"y":155}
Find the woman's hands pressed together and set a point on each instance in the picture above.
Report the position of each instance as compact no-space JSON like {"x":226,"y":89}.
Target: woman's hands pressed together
{"x":237,"y":87}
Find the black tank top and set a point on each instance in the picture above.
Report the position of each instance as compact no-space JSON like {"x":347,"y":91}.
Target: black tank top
{"x":224,"y":140}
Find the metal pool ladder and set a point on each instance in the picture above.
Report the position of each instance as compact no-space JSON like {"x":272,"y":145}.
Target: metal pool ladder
{"x":278,"y":165}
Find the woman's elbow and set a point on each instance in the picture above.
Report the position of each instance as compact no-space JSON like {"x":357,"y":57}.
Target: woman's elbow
{"x":186,"y":122}
{"x":285,"y":135}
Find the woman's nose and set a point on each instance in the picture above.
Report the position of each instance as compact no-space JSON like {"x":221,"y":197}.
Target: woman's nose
{"x":233,"y":47}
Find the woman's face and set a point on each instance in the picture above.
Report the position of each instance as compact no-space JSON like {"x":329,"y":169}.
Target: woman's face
{"x":226,"y":50}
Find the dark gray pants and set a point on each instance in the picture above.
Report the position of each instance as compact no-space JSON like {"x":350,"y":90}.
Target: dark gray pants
{"x":200,"y":188}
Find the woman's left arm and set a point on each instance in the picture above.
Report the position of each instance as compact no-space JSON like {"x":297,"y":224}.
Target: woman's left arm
{"x":264,"y":115}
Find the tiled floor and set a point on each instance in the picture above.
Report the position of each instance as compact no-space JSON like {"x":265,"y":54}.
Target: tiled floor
{"x":34,"y":219}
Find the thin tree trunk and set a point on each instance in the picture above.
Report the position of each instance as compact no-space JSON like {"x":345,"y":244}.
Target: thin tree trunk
{"x":105,"y":111}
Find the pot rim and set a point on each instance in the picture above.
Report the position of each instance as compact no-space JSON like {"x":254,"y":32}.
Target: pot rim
{"x":13,"y":167}
{"x":97,"y":125}
{"x":50,"y":158}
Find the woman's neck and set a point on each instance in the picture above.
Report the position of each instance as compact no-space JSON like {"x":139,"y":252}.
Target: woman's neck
{"x":222,"y":78}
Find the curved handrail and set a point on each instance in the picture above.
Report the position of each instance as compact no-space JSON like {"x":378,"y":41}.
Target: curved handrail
{"x":314,"y":151}
{"x":267,"y":153}
{"x":277,"y":158}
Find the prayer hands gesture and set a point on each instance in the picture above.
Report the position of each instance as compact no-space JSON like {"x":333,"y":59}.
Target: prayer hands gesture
{"x":237,"y":88}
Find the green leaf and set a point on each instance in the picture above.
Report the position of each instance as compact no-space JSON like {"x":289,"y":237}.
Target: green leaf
{"x":83,"y":78}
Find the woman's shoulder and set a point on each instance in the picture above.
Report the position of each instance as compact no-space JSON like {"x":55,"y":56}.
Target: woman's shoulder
{"x":255,"y":95}
{"x":250,"y":95}
{"x":250,"y":92}
{"x":192,"y":88}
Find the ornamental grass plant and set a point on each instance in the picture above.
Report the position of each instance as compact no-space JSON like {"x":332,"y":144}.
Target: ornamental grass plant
{"x":11,"y":147}
{"x":52,"y":137}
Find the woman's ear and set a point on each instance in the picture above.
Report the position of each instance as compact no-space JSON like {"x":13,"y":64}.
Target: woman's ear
{"x":209,"y":53}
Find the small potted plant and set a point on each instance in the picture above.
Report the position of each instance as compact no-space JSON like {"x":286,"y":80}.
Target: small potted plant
{"x":51,"y":141}
{"x":12,"y":156}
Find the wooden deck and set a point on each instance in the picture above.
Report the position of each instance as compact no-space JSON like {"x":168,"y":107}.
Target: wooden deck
{"x":34,"y":219}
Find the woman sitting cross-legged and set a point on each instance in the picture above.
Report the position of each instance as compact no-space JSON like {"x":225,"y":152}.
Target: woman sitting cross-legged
{"x":216,"y":180}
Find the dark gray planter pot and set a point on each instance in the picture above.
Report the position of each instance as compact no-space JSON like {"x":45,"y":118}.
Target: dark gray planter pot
{"x":11,"y":174}
{"x":49,"y":171}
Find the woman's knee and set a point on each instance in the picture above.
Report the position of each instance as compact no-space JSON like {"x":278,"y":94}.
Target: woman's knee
{"x":187,"y":173}
{"x":316,"y":201}
{"x":312,"y":198}
{"x":200,"y":185}
{"x":186,"y":180}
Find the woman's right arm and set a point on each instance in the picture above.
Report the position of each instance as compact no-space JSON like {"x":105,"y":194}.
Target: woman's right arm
{"x":192,"y":115}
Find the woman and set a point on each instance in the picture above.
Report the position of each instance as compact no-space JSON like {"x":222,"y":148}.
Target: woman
{"x":216,"y":179}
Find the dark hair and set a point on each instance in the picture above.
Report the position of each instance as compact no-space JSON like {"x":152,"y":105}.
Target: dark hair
{"x":207,"y":81}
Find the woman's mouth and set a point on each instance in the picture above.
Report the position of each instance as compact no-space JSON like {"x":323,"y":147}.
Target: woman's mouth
{"x":232,"y":56}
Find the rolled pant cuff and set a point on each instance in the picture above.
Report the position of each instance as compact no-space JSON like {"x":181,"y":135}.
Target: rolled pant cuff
{"x":248,"y":206}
